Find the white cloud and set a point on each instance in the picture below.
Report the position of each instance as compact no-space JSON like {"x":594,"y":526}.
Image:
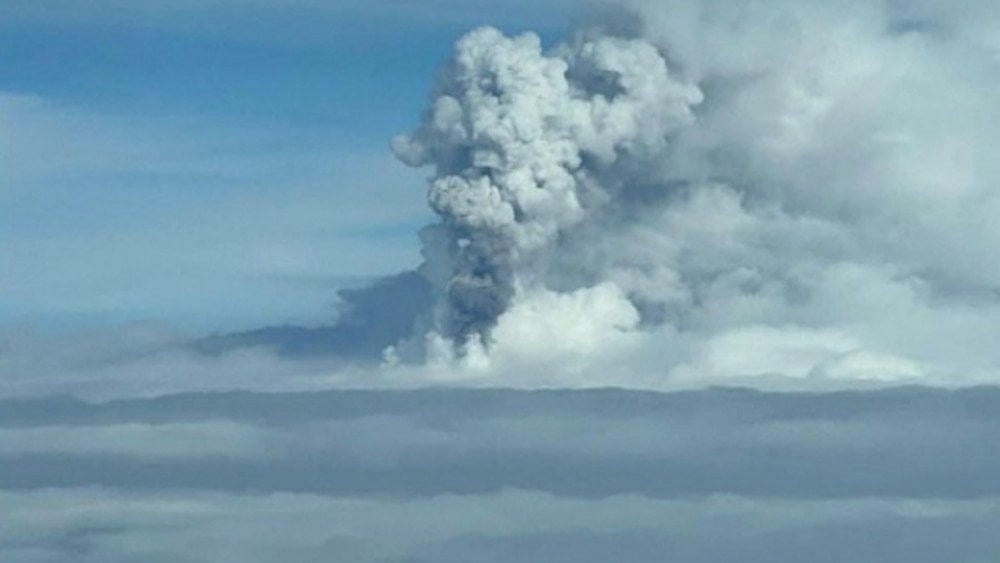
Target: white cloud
{"x":558,"y":333}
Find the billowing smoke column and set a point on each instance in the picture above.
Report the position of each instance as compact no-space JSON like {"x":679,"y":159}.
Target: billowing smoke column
{"x":723,"y":189}
{"x":519,"y":140}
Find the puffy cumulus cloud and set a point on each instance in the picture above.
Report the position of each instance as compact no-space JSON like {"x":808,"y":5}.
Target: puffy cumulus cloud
{"x":548,"y":323}
{"x":548,"y":337}
{"x":794,"y":352}
{"x":719,"y":189}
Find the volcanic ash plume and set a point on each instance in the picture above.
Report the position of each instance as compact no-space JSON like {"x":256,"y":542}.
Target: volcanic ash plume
{"x":732,"y":189}
{"x":520,"y":140}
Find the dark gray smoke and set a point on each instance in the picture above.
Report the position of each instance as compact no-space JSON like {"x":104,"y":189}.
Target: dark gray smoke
{"x":519,"y":140}
{"x":370,"y":319}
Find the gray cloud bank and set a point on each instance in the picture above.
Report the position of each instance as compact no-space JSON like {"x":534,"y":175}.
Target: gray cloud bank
{"x":89,"y":524}
{"x":911,"y":442}
{"x":906,"y":474}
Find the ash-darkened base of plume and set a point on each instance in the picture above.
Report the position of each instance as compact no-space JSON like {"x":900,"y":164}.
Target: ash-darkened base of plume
{"x":372,"y":318}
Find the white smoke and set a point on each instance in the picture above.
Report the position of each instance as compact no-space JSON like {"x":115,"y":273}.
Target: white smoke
{"x":787,"y":188}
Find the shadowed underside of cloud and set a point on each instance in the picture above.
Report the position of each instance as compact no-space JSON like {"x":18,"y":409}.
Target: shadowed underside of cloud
{"x":913,"y":442}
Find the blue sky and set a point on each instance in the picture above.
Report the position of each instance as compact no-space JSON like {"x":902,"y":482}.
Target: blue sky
{"x":213,"y":165}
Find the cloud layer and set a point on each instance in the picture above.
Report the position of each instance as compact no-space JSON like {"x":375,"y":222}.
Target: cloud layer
{"x":907,"y":442}
{"x":504,"y":475}
{"x":106,"y":526}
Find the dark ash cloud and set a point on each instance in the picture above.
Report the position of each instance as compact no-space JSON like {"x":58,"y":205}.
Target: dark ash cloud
{"x":371,"y":319}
